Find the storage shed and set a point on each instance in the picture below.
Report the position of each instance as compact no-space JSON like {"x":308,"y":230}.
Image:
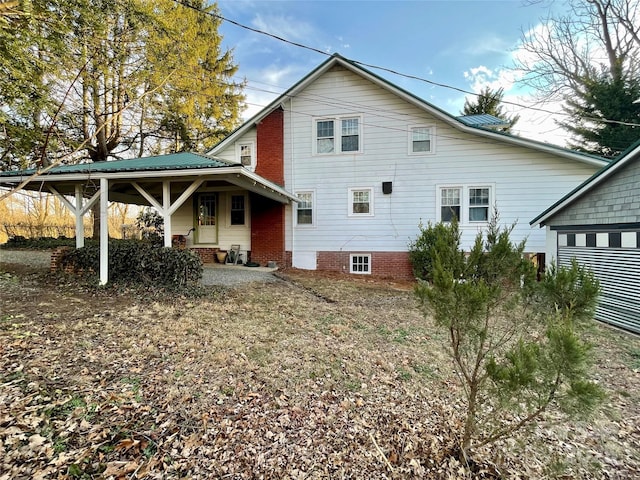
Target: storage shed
{"x":598,"y":223}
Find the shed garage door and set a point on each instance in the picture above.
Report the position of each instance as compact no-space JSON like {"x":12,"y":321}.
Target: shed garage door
{"x":618,"y":270}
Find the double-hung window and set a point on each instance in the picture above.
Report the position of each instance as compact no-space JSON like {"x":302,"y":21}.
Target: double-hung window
{"x":324,"y":136}
{"x":450,"y":204}
{"x":360,"y":202}
{"x":479,"y":204}
{"x":338,"y":135}
{"x":468,"y":204}
{"x":350,"y":135}
{"x":246,"y":154}
{"x":421,"y":140}
{"x":304,"y":210}
{"x":237,"y":210}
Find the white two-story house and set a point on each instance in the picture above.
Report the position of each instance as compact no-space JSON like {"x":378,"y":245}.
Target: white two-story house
{"x":369,"y":162}
{"x":335,"y":174}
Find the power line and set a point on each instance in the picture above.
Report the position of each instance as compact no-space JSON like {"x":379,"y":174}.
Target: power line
{"x":386,"y":69}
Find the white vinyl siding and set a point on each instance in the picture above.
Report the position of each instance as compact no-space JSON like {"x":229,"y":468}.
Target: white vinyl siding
{"x":523,"y":182}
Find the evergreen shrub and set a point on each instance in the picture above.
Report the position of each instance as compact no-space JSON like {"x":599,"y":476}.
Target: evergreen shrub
{"x":136,"y":262}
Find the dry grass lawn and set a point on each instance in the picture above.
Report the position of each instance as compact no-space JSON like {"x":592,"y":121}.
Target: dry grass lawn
{"x":310,"y":377}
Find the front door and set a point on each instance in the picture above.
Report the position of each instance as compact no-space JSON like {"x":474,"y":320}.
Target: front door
{"x":206,"y":212}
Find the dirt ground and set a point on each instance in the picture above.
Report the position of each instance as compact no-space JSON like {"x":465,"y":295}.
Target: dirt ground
{"x":313,"y":376}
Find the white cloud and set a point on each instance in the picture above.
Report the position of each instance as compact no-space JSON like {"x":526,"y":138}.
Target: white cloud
{"x":490,"y":44}
{"x":284,"y":26}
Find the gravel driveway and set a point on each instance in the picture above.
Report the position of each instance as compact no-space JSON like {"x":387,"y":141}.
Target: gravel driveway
{"x":236,"y":275}
{"x":31,"y":258}
{"x":214,"y":274}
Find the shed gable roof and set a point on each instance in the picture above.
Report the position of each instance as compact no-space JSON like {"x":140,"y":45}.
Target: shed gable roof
{"x":632,"y":154}
{"x":436,"y":112}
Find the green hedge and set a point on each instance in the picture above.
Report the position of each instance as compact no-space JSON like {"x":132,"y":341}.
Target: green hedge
{"x":137,"y":262}
{"x":43,"y":243}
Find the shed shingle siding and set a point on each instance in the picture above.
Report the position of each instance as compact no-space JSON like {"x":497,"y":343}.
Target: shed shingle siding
{"x":615,"y":201}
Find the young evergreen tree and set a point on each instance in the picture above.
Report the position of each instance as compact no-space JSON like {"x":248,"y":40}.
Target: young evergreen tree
{"x":515,"y":343}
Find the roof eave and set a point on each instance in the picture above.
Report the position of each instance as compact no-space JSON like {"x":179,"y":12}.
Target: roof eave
{"x":633,"y":153}
{"x":411,"y":98}
{"x":254,"y":182}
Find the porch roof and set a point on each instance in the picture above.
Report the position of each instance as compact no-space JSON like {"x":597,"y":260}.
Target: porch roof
{"x":176,"y":167}
{"x":173,"y":161}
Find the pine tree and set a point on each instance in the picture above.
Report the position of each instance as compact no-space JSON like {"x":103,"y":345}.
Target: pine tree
{"x":116,"y":79}
{"x":603,"y":118}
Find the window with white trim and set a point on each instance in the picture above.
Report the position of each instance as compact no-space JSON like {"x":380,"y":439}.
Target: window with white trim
{"x":479,"y":204}
{"x":360,"y":263}
{"x":360,"y":202}
{"x":304,"y":208}
{"x":237,"y":213}
{"x":450,"y":204}
{"x":470,"y":204}
{"x":246,"y":154}
{"x":421,"y":140}
{"x":338,"y":135}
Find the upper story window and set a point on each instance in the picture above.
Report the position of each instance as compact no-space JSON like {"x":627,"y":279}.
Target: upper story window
{"x":245,"y":153}
{"x":360,"y":202}
{"x":304,"y":209}
{"x":421,"y":140}
{"x":338,"y":135}
{"x":469,"y":204}
{"x":238,"y":210}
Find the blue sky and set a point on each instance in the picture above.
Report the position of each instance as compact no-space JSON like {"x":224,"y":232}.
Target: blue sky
{"x":464,"y":44}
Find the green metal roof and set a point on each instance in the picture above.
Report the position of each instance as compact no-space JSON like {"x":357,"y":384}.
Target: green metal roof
{"x":174,"y":161}
{"x":482,"y":120}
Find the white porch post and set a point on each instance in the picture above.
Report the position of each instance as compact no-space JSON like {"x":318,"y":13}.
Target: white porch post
{"x":166,"y":211}
{"x":79,"y":218}
{"x":104,"y":231}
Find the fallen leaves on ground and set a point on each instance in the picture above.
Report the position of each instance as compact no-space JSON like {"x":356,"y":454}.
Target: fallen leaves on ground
{"x":311,"y":377}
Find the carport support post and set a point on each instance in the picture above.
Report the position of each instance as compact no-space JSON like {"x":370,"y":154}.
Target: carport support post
{"x":104,"y":231}
{"x":166,"y":211}
{"x":79,"y":218}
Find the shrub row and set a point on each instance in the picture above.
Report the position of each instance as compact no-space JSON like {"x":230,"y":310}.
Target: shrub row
{"x":137,"y":262}
{"x":41,"y":243}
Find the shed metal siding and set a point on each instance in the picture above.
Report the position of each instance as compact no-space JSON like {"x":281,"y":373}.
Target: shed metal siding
{"x":617,"y":269}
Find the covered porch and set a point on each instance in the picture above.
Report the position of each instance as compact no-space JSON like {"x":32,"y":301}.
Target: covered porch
{"x":209,"y":203}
